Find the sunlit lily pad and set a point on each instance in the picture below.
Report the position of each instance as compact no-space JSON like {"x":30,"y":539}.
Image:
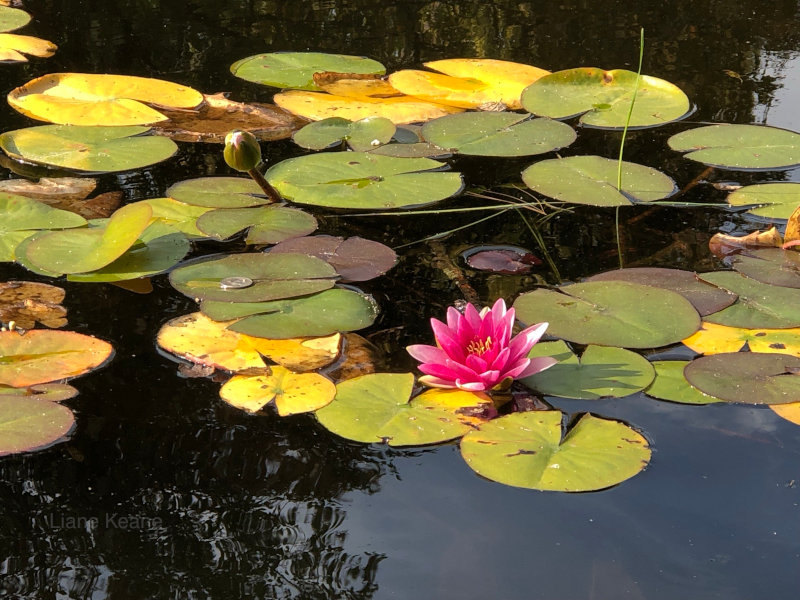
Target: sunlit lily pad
{"x":611,"y":313}
{"x":295,"y":70}
{"x":360,"y":136}
{"x":530,"y":450}
{"x":739,"y":146}
{"x":264,"y":224}
{"x":771,"y":200}
{"x":292,"y":393}
{"x":790,"y":412}
{"x":497,"y":134}
{"x":357,"y":180}
{"x":714,"y":339}
{"x":355,"y":258}
{"x":27,"y":303}
{"x":100,"y":99}
{"x":13,"y":47}
{"x":604,"y":98}
{"x":89,"y":249}
{"x":44,"y":355}
{"x":600,"y":372}
{"x":592,"y":180}
{"x":749,"y":377}
{"x":705,"y":297}
{"x":219,"y":192}
{"x":759,"y":304}
{"x":13,"y":18}
{"x":53,"y":392}
{"x":671,"y":385}
{"x":201,"y":340}
{"x":770,"y":265}
{"x":28,"y":424}
{"x":88,"y":149}
{"x":376,"y":408}
{"x":271,"y":277}
{"x":316,"y":315}
{"x":177,"y":217}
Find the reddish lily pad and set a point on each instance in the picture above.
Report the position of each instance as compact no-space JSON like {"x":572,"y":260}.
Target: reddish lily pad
{"x":28,"y":424}
{"x":355,"y":258}
{"x":508,"y":260}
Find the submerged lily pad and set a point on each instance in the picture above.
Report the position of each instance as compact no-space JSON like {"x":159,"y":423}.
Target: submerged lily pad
{"x":28,"y":424}
{"x":530,"y":450}
{"x":739,"y":146}
{"x":714,"y":339}
{"x":671,"y":385}
{"x":264,"y":224}
{"x":771,"y":200}
{"x":362,"y":181}
{"x":611,"y":313}
{"x":331,"y":311}
{"x":295,"y":70}
{"x":44,"y":355}
{"x":592,"y":180}
{"x":88,"y":149}
{"x":748,"y":377}
{"x":497,"y":134}
{"x":361,"y":135}
{"x":219,"y":192}
{"x":759,"y":304}
{"x":600,"y":372}
{"x":27,"y":303}
{"x":292,"y":393}
{"x":605,"y":97}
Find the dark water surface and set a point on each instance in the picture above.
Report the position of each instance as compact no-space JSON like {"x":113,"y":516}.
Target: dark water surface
{"x":166,"y":492}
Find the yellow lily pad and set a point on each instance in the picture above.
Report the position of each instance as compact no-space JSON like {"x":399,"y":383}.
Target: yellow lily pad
{"x":712,"y":338}
{"x":13,"y":47}
{"x":354,"y":85}
{"x":790,"y":412}
{"x":293,"y":393}
{"x":469,"y":82}
{"x":97,"y":99}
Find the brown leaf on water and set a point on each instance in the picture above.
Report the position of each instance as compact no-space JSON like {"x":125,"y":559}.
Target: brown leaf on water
{"x":792,"y":236}
{"x":354,"y":85}
{"x":66,"y":193}
{"x":359,"y":357}
{"x":26,"y":303}
{"x":722,"y":245}
{"x":216,"y":116}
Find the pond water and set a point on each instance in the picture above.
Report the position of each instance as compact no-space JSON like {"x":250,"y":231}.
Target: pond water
{"x":166,"y":492}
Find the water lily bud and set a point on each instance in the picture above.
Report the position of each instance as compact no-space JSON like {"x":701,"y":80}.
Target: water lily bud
{"x":242,"y":150}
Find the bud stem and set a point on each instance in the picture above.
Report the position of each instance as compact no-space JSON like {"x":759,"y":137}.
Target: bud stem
{"x":270,"y":191}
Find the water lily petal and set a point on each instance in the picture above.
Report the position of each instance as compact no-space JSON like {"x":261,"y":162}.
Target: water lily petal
{"x":476,"y":363}
{"x":431,"y":381}
{"x":537,"y":365}
{"x":526,"y":339}
{"x":471,"y":386}
{"x":427,"y":354}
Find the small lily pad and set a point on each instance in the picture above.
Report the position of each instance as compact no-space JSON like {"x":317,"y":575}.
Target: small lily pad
{"x":509,"y":260}
{"x":264,"y":224}
{"x":671,"y":385}
{"x":770,"y":200}
{"x":748,"y":377}
{"x":28,"y":424}
{"x":13,"y":18}
{"x":739,"y":146}
{"x":295,"y":70}
{"x":219,"y":192}
{"x":361,"y":135}
{"x":759,"y":304}
{"x":592,"y":180}
{"x":292,"y":393}
{"x":53,"y":392}
{"x":530,"y":450}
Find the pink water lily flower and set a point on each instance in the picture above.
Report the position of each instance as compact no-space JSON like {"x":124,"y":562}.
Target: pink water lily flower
{"x":475,"y":351}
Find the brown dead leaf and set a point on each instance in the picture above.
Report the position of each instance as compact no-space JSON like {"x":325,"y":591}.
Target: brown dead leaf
{"x":722,"y":245}
{"x":359,"y":357}
{"x":792,"y":236}
{"x":66,"y":193}
{"x":354,"y":85}
{"x":26,"y":303}
{"x":216,"y":116}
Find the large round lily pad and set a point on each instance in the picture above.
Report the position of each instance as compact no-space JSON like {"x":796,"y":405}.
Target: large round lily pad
{"x":600,"y":372}
{"x":264,"y":224}
{"x":704,"y":297}
{"x":327,"y":312}
{"x":362,"y":181}
{"x":32,"y":424}
{"x":497,"y":134}
{"x":87,"y":149}
{"x":759,"y":304}
{"x":529,"y":450}
{"x":611,"y":313}
{"x":749,"y":377}
{"x":671,"y":385}
{"x":361,"y":135}
{"x":296,"y":70}
{"x":739,"y":146}
{"x":605,"y":97}
{"x":771,"y":200}
{"x":219,"y":192}
{"x":592,"y":180}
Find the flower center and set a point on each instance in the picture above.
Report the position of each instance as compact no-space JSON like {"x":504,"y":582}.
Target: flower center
{"x":480,"y":346}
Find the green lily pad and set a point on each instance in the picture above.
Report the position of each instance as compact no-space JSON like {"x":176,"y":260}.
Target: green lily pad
{"x":530,"y":450}
{"x":605,"y":97}
{"x":774,"y":266}
{"x":601,"y":372}
{"x":704,"y":297}
{"x":592,"y":180}
{"x":360,"y":136}
{"x":177,"y":217}
{"x":749,"y":377}
{"x":411,"y":150}
{"x":295,"y":70}
{"x":219,"y":192}
{"x":375,"y":408}
{"x":671,"y":385}
{"x":12,"y":18}
{"x":362,"y":181}
{"x":53,"y":392}
{"x":272,"y":277}
{"x":28,"y":424}
{"x":771,"y":200}
{"x":20,"y":253}
{"x":759,"y":305}
{"x":311,"y":316}
{"x":88,"y":149}
{"x":265,"y":224}
{"x":739,"y":146}
{"x":497,"y":134}
{"x":84,"y":250}
{"x":611,"y":313}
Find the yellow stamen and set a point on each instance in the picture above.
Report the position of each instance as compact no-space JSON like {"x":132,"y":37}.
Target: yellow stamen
{"x":480,"y":346}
